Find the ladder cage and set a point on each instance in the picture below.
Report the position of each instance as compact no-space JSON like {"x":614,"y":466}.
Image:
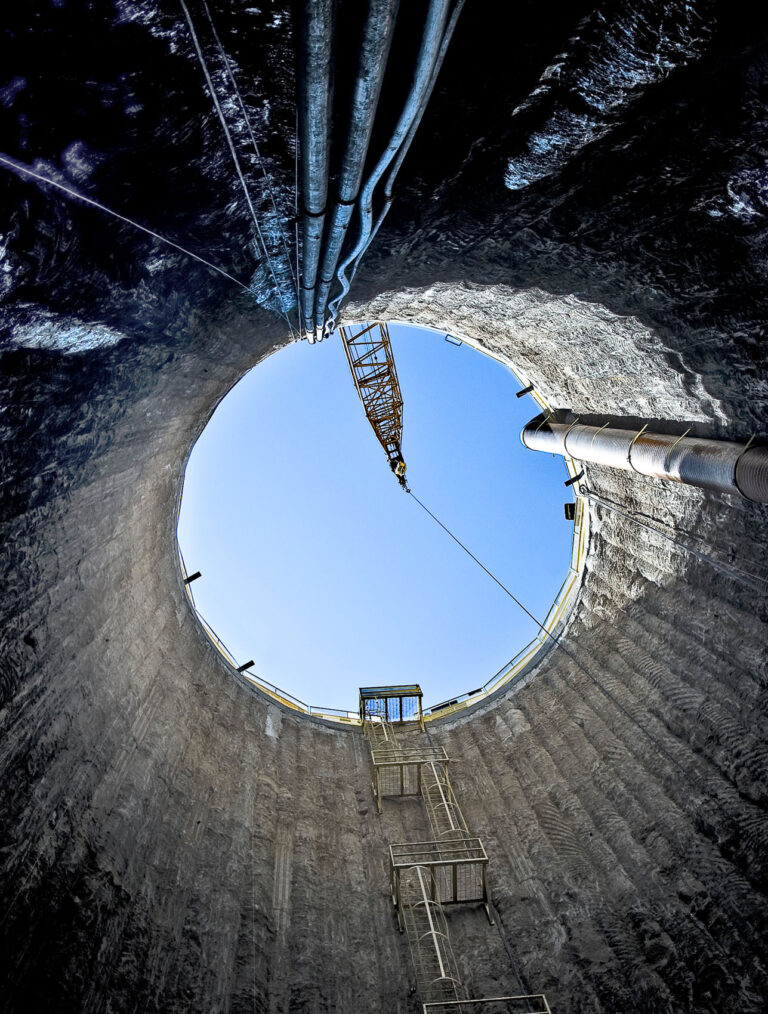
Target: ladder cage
{"x":445,"y":816}
{"x":424,"y":922}
{"x":381,"y":736}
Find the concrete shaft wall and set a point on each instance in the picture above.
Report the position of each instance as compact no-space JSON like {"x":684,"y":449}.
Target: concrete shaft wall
{"x":174,"y":842}
{"x":170,"y":840}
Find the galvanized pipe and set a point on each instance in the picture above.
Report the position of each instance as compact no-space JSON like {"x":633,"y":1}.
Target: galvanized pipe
{"x":423,"y":78}
{"x":392,"y":176}
{"x":376,"y":43}
{"x":316,"y":55}
{"x":720,"y":465}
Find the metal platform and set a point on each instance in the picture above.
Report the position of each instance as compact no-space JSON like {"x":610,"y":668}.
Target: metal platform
{"x":458,"y":869}
{"x":397,"y":769}
{"x":536,"y":1003}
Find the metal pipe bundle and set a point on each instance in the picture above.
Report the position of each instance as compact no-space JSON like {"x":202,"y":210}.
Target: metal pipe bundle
{"x":377,"y":39}
{"x":432,"y":49}
{"x":314,"y":135}
{"x":323,"y":234}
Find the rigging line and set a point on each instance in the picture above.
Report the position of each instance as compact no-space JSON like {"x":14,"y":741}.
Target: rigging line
{"x":19,"y":167}
{"x":233,"y":152}
{"x":483,"y":567}
{"x":558,"y":643}
{"x":230,"y":73}
{"x":753,"y":581}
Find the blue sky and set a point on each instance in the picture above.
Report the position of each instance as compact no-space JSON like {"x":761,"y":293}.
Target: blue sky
{"x":320,"y":568}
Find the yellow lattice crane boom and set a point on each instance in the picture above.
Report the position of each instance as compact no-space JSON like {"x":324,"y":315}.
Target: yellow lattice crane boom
{"x":369,"y":354}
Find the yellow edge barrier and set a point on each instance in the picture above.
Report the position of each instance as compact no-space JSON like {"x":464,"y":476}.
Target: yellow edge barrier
{"x":555,"y":614}
{"x":275,"y":696}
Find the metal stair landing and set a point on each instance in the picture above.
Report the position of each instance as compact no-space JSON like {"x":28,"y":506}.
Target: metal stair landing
{"x":428,"y":875}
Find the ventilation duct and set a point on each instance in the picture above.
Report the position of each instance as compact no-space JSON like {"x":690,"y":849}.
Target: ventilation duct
{"x":720,"y":465}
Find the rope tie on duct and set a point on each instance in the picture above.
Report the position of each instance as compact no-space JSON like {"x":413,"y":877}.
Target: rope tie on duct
{"x":565,"y":436}
{"x":604,"y":426}
{"x":632,"y":444}
{"x":668,"y":455}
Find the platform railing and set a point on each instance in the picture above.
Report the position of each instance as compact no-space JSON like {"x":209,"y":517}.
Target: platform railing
{"x":535,"y":1003}
{"x":397,"y":764}
{"x":459,"y":871}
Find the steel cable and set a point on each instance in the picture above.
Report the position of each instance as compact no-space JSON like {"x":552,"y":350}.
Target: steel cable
{"x":754,"y":581}
{"x":246,"y":118}
{"x":235,"y":159}
{"x":558,"y":643}
{"x":19,"y":167}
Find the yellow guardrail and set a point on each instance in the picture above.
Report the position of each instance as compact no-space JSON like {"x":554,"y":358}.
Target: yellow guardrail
{"x":564,"y":598}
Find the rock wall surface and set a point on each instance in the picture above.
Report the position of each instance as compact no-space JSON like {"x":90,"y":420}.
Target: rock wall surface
{"x":172,"y":841}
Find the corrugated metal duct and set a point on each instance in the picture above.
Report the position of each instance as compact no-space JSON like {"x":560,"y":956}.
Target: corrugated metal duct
{"x":720,"y":465}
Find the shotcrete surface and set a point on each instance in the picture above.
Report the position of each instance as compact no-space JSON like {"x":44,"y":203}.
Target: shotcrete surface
{"x":173,"y":841}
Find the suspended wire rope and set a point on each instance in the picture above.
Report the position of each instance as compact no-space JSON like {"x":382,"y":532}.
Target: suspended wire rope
{"x":558,"y":643}
{"x":249,"y":126}
{"x":296,"y":211}
{"x":236,"y":161}
{"x":19,"y":167}
{"x":754,"y":581}
{"x":483,"y":567}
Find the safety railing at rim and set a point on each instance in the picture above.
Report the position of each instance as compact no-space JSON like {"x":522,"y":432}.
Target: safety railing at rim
{"x":505,"y":675}
{"x":333,"y":714}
